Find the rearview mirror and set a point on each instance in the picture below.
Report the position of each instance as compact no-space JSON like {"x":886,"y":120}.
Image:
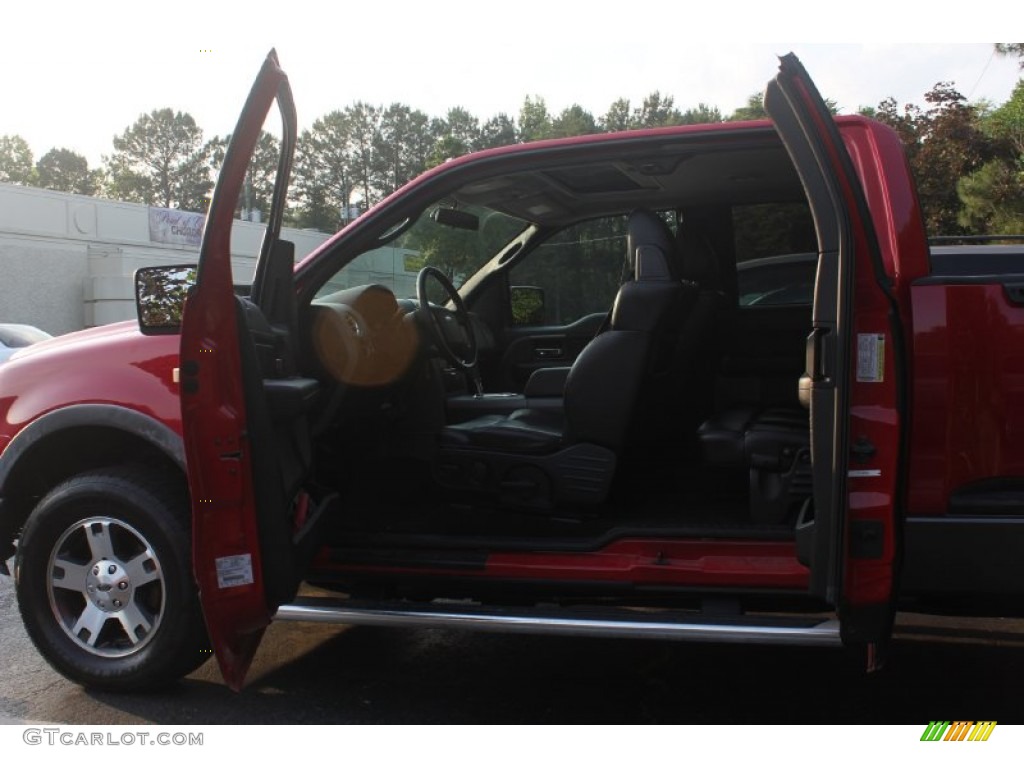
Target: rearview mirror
{"x":160,"y":297}
{"x":450,"y":217}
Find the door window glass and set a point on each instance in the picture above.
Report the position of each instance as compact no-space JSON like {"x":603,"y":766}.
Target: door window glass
{"x":575,"y":273}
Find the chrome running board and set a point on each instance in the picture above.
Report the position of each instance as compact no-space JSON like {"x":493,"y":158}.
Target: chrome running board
{"x":625,"y":623}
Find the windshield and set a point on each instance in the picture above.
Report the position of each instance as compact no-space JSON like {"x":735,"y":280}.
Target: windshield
{"x":457,"y":241}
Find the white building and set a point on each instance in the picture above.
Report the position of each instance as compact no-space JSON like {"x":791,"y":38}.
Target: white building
{"x":67,"y":261}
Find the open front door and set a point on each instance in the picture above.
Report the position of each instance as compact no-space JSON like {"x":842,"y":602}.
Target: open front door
{"x":242,"y":407}
{"x":853,"y":380}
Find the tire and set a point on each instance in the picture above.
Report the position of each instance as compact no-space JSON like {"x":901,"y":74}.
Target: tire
{"x":104,"y":580}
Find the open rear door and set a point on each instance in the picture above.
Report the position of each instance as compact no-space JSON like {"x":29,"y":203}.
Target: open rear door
{"x":242,"y":407}
{"x":849,"y":538}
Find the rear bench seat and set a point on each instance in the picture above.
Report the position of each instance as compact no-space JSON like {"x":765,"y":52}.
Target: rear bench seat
{"x":774,"y":445}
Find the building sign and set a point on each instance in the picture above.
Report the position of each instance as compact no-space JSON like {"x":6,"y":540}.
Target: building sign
{"x":175,"y":227}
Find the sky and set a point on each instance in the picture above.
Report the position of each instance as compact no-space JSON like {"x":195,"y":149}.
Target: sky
{"x":77,"y":74}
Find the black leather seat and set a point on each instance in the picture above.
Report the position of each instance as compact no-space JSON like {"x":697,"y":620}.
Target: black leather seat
{"x":523,"y":431}
{"x":705,"y":326}
{"x":687,"y":393}
{"x":762,"y":438}
{"x":773,"y":444}
{"x":543,"y":457}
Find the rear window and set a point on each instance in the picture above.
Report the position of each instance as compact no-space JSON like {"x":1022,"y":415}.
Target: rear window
{"x":777,"y":281}
{"x":776,"y":254}
{"x":772,"y":229}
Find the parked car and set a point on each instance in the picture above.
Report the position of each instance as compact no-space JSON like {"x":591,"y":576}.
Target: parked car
{"x":14,"y":336}
{"x":789,"y":279}
{"x":575,"y":426}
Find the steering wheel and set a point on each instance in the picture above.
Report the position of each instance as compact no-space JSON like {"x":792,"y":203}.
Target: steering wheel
{"x":466,"y":362}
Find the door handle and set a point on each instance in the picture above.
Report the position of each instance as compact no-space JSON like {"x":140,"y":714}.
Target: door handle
{"x":547,"y":353}
{"x":815,"y":365}
{"x":1014,"y":292}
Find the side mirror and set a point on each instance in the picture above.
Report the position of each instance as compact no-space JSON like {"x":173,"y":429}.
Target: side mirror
{"x":527,"y":304}
{"x":160,"y":297}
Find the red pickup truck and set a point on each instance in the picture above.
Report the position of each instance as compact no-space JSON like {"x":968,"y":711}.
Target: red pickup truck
{"x":575,"y":425}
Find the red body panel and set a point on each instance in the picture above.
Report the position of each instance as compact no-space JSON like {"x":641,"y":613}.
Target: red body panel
{"x":968,"y":391}
{"x":769,"y":565}
{"x":638,"y":562}
{"x":879,"y":409}
{"x":113,"y":364}
{"x":875,"y":416}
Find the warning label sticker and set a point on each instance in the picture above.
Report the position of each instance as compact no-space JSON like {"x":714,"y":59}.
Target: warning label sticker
{"x":870,"y":356}
{"x":234,"y":571}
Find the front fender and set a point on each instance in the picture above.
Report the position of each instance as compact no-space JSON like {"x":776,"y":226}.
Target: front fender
{"x":92,"y":415}
{"x":21,"y":468}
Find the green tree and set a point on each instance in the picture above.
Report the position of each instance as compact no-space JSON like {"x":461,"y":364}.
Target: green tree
{"x":952,"y":147}
{"x":463,"y":127}
{"x":66,"y":171}
{"x":993,"y":195}
{"x":457,"y":133}
{"x":404,"y":144}
{"x":618,"y":117}
{"x":260,"y":176}
{"x":534,"y":120}
{"x":574,"y":121}
{"x":701,"y":114}
{"x":1011,"y":49}
{"x":498,"y":131}
{"x":992,"y":199}
{"x":323,"y":178}
{"x":363,"y":141}
{"x":655,"y":111}
{"x":1007,"y":121}
{"x":312,"y":205}
{"x":161,"y":160}
{"x":908,"y":124}
{"x":343,"y":163}
{"x":944,"y":143}
{"x":752,"y":110}
{"x":16,"y":161}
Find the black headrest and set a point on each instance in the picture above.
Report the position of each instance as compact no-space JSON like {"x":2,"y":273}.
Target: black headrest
{"x":651,"y":264}
{"x":698,"y":261}
{"x":647,"y":232}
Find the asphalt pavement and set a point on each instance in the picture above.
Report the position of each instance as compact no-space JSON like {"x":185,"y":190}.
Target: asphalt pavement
{"x":939,"y":669}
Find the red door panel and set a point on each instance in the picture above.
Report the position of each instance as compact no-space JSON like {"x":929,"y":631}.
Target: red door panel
{"x":226,"y":546}
{"x":855,"y":366}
